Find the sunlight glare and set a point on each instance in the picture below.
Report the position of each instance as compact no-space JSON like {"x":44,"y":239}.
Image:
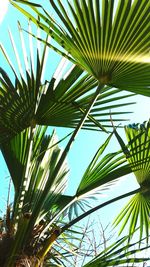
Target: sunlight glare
{"x":3,"y":9}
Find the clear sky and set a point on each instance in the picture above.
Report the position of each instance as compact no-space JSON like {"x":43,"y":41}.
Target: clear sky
{"x":87,"y":142}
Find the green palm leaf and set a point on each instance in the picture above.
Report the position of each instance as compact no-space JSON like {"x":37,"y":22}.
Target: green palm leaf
{"x":118,"y":254}
{"x":138,"y":209}
{"x":31,"y":158}
{"x":31,"y":163}
{"x":138,"y":136}
{"x":27,"y":99}
{"x":103,"y":170}
{"x":111,"y":43}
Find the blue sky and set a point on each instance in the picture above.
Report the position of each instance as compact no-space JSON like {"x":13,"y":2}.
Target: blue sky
{"x":87,"y":142}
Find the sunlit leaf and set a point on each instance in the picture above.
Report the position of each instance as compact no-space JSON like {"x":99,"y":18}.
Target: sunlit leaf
{"x":136,"y":212}
{"x":108,"y":39}
{"x":27,"y":98}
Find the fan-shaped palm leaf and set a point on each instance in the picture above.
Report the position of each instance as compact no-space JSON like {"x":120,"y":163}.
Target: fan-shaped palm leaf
{"x":138,"y":208}
{"x":109,"y":40}
{"x":26,"y":99}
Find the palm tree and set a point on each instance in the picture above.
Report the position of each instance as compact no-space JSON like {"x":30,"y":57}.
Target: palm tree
{"x":112,"y":48}
{"x":30,"y":155}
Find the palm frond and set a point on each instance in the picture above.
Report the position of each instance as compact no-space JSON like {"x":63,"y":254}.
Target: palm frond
{"x":136,"y":212}
{"x":103,"y":171}
{"x":118,"y":254}
{"x":19,"y":98}
{"x":111,"y":43}
{"x":31,"y":163}
{"x":27,"y":98}
{"x":138,"y":136}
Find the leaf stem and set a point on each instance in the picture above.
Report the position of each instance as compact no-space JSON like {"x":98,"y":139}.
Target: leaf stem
{"x":85,"y":214}
{"x":49,"y":242}
{"x":86,"y":113}
{"x":54,"y":236}
{"x":65,"y":152}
